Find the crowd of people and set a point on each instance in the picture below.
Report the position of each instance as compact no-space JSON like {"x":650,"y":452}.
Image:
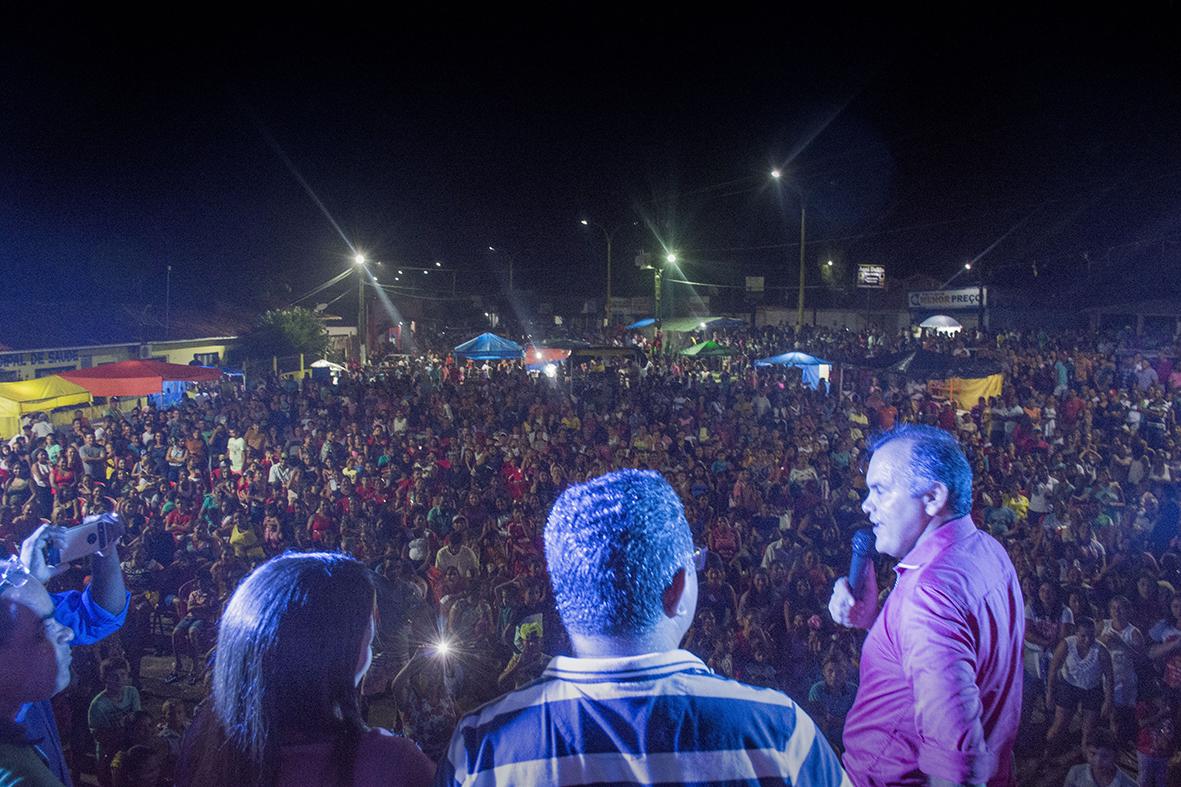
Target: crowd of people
{"x":439,"y":476}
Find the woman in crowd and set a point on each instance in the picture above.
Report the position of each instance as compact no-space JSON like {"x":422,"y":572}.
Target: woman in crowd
{"x":293,"y":645}
{"x":1080,"y":675}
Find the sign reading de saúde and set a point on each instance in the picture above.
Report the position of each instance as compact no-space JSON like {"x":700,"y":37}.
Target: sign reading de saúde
{"x":873,"y":276}
{"x":965,"y":298}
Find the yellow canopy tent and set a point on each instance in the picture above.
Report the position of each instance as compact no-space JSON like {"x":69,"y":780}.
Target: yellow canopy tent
{"x":30,"y":396}
{"x":965,"y":391}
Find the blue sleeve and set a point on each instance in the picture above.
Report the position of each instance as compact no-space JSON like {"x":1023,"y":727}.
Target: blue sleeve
{"x":90,"y":623}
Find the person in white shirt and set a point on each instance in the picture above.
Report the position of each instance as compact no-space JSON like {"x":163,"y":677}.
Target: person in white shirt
{"x":456,"y":554}
{"x":280,"y":472}
{"x":1100,"y":769}
{"x":236,"y":449}
{"x":41,"y":427}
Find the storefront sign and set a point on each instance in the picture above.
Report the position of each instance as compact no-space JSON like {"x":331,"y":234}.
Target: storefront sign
{"x":871,"y":276}
{"x":945,"y":300}
{"x":38,"y":358}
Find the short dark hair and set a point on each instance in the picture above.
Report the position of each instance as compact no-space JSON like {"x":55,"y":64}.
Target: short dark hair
{"x":612,"y":545}
{"x":111,"y":666}
{"x":1101,"y":738}
{"x":935,"y":456}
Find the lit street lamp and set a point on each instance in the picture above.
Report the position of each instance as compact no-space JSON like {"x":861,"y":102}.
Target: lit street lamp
{"x":954,"y":276}
{"x":777,"y":175}
{"x":362,"y":327}
{"x":610,"y":236}
{"x":646,"y":262}
{"x":508,"y":257}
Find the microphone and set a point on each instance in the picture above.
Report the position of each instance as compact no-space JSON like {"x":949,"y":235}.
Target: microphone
{"x":863,"y":551}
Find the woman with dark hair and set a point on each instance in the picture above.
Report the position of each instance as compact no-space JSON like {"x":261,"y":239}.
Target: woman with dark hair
{"x":293,"y":645}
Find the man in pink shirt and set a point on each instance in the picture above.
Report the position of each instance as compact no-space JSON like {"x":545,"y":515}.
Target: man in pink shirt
{"x":940,"y":693}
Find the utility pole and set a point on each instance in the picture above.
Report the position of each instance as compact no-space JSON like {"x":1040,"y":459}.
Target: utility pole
{"x":980,"y":297}
{"x":657,"y":275}
{"x":362,"y":322}
{"x":607,"y":306}
{"x":167,"y":301}
{"x":800,"y":300}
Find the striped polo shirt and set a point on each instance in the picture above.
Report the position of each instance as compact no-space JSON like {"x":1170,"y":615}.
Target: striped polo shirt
{"x":659,"y":718}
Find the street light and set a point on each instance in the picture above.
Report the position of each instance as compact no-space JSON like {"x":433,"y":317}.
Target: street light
{"x":508,"y":257}
{"x":777,"y":175}
{"x":610,"y":236}
{"x":362,"y":327}
{"x":954,"y":276}
{"x":646,"y":262}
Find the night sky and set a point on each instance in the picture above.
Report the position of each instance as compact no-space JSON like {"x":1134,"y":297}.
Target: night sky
{"x":919,"y":146}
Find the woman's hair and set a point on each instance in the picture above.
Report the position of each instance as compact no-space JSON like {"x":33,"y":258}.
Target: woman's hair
{"x":285,"y":668}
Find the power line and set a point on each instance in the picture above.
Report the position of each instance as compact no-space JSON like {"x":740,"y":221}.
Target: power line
{"x":334,"y":280}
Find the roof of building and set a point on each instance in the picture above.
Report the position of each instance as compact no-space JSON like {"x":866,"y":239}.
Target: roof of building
{"x":27,"y":325}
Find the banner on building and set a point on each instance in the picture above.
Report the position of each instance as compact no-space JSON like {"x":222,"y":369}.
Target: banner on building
{"x":946,"y":300}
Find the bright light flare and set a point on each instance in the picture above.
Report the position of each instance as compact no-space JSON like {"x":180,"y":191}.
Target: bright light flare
{"x":967,"y":266}
{"x":776,"y":174}
{"x":829,"y":263}
{"x":584,"y":222}
{"x":438,"y":265}
{"x":672,"y":258}
{"x":550,"y":370}
{"x":359,"y":259}
{"x":442,"y":648}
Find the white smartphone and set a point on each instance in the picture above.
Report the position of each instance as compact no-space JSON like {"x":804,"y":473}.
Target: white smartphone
{"x":94,"y":535}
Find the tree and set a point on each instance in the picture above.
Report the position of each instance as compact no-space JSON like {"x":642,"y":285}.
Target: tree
{"x":283,"y":332}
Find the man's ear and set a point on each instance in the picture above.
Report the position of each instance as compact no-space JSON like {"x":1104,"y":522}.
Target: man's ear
{"x":673,"y":593}
{"x":935,"y":498}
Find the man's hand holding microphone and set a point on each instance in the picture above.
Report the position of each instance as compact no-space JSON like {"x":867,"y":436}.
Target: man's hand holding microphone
{"x":854,"y":601}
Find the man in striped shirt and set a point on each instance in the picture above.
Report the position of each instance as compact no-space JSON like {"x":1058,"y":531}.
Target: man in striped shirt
{"x":632,"y":708}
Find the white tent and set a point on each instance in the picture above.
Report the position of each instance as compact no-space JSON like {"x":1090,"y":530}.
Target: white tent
{"x":941,"y":323}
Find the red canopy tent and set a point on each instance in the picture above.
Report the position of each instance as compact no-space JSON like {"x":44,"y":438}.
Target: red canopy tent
{"x":136,"y":378}
{"x":180,"y":371}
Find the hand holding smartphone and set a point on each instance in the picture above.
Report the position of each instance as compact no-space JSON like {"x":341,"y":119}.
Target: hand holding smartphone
{"x":95,"y":534}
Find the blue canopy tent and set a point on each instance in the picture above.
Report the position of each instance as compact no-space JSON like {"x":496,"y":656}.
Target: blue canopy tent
{"x":490,"y":347}
{"x":644,"y":323}
{"x":809,"y":365}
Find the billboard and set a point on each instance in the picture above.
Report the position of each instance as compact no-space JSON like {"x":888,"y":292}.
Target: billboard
{"x":873,"y":276}
{"x":946,"y":300}
{"x":755,"y":284}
